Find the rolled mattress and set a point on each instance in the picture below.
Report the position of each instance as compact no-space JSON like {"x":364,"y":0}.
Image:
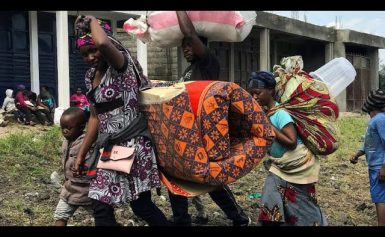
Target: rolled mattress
{"x":206,"y":132}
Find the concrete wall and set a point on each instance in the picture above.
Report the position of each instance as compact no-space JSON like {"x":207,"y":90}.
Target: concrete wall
{"x":162,"y":63}
{"x":288,"y":25}
{"x":329,"y":52}
{"x":264,"y":50}
{"x":339,"y":51}
{"x":374,"y":67}
{"x":356,"y":37}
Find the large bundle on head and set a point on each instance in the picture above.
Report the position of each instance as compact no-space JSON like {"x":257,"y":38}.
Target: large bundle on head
{"x":309,"y":103}
{"x":206,"y":132}
{"x":161,"y":28}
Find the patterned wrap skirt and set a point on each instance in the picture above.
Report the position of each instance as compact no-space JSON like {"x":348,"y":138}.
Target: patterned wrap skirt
{"x":289,"y":204}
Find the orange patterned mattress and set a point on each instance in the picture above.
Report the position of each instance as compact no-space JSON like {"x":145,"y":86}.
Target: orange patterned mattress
{"x":206,"y":132}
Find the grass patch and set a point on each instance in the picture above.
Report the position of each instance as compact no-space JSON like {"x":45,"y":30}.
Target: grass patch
{"x":43,"y":145}
{"x":26,"y":163}
{"x":351,"y":130}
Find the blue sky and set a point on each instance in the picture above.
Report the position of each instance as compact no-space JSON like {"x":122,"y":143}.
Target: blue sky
{"x":371,"y":22}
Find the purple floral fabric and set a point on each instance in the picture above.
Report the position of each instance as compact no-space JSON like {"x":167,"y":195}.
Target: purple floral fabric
{"x":112,"y":187}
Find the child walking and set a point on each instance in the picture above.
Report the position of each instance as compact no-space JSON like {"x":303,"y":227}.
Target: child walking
{"x":74,"y":193}
{"x":374,"y":150}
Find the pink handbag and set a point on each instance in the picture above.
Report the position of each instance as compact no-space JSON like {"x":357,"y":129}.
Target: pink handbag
{"x":117,"y":158}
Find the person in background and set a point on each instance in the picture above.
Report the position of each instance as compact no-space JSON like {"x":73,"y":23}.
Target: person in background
{"x":42,"y":115}
{"x":74,"y":193}
{"x":7,"y":107}
{"x":24,"y":105}
{"x":9,"y":102}
{"x":46,"y":100}
{"x":204,"y":66}
{"x":46,"y":104}
{"x":289,"y":195}
{"x":203,"y":63}
{"x":374,"y":150}
{"x":80,"y":100}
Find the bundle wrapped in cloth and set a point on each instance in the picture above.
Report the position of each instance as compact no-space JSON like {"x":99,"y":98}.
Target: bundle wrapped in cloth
{"x":206,"y":133}
{"x":161,"y":28}
{"x":309,"y":103}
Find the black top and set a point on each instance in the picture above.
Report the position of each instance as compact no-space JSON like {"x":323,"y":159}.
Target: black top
{"x":205,"y":68}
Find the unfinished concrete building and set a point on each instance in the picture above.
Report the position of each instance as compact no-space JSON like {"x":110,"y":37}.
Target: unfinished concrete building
{"x":37,"y":48}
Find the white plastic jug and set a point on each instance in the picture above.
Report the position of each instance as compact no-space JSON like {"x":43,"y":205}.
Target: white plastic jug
{"x":336,"y":74}
{"x":57,"y":115}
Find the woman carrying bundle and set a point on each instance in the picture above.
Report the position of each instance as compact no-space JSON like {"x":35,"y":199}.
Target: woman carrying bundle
{"x":288,"y":196}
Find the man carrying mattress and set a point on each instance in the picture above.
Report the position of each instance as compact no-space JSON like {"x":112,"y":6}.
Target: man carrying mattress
{"x":204,"y":66}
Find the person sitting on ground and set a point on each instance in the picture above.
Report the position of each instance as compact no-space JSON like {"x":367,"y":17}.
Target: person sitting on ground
{"x":9,"y":102}
{"x":74,"y":193}
{"x":46,"y":100}
{"x":43,"y":115}
{"x":23,"y":105}
{"x":7,"y":107}
{"x":374,"y":150}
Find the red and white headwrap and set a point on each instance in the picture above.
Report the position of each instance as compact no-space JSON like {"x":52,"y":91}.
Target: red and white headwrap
{"x":83,"y":31}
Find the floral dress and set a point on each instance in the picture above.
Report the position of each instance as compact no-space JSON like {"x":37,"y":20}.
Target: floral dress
{"x":113,"y":187}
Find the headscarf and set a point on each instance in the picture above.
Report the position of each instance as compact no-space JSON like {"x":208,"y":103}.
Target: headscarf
{"x":9,"y":93}
{"x":84,"y":37}
{"x":21,"y":87}
{"x":289,"y":65}
{"x":262,"y":80}
{"x":374,"y":101}
{"x":83,"y":32}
